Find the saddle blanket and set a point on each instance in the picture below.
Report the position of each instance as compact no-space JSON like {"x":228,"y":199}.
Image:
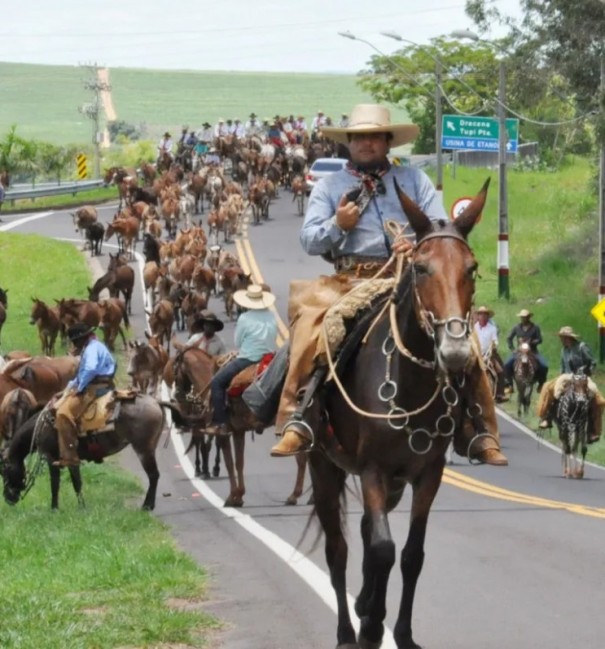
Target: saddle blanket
{"x":564,"y":381}
{"x":246,"y":377}
{"x":346,"y":308}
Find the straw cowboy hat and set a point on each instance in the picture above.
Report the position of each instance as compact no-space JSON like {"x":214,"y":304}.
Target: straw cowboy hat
{"x":78,"y":331}
{"x":372,"y":118}
{"x":524,"y":313}
{"x":484,"y":309}
{"x":568,"y":332}
{"x":208,"y":317}
{"x":254,"y":298}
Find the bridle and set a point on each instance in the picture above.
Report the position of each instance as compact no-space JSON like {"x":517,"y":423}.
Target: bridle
{"x":427,"y":320}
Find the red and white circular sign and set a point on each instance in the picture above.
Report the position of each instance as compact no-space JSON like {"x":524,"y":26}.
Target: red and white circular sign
{"x":459,"y":206}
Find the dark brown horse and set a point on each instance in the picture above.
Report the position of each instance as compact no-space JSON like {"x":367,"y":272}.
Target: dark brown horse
{"x":139,"y":423}
{"x":407,"y":382}
{"x":3,"y":307}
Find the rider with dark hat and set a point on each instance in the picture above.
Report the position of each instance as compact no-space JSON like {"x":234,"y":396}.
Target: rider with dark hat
{"x":525,"y":331}
{"x":93,"y":379}
{"x":203,"y":334}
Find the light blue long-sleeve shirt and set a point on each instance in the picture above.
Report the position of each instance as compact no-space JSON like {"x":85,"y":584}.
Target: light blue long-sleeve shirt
{"x":321,"y":235}
{"x":94,"y":361}
{"x":256,"y":334}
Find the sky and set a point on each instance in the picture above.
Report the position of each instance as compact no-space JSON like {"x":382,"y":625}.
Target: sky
{"x":252,"y":35}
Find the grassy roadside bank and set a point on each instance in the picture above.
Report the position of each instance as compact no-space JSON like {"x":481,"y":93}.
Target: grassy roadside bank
{"x":103,"y":577}
{"x":92,"y":197}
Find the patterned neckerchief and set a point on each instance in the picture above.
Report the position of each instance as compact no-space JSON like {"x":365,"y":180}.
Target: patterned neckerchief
{"x":370,"y":184}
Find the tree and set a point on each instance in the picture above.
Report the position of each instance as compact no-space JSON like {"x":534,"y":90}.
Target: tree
{"x":408,"y":77}
{"x":56,"y":160}
{"x":564,"y":37}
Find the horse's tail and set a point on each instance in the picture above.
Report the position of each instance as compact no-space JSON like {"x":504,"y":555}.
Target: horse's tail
{"x":125,"y":318}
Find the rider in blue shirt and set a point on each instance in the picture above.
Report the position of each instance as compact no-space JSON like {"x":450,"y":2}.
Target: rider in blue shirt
{"x":93,"y":379}
{"x":255,"y":336}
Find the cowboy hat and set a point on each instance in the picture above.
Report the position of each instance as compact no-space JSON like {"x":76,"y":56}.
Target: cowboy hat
{"x":252,"y":115}
{"x":484,"y":309}
{"x":206,"y":125}
{"x":524,"y":313}
{"x":78,"y":331}
{"x":372,"y":118}
{"x":568,"y":332}
{"x":207,"y":317}
{"x":254,"y":297}
{"x":221,"y":119}
{"x":167,"y":134}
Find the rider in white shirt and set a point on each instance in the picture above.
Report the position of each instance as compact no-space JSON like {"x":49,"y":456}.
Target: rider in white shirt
{"x":318,"y":121}
{"x":252,"y":126}
{"x":165,"y":144}
{"x":239,"y":130}
{"x":220,"y":129}
{"x":487,"y":334}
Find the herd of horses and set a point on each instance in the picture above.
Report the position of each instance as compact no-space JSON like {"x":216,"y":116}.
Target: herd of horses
{"x":424,"y":329}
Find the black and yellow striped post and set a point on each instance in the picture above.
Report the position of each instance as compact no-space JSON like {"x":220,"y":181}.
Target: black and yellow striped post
{"x":82,"y":164}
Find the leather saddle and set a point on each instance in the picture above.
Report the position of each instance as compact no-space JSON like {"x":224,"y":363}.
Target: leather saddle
{"x":103,"y":411}
{"x":246,"y":377}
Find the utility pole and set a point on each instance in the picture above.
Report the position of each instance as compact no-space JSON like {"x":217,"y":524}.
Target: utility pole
{"x":92,"y":111}
{"x":602,"y":208}
{"x":438,"y":127}
{"x":503,"y":258}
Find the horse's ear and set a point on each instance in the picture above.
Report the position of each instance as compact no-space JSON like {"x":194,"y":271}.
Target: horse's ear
{"x":420,"y":222}
{"x":466,"y":221}
{"x":147,"y":335}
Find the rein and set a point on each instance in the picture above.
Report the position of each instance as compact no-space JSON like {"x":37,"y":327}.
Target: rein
{"x":445,"y":424}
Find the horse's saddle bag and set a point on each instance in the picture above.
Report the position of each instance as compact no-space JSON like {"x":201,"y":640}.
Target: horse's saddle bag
{"x":102,"y":412}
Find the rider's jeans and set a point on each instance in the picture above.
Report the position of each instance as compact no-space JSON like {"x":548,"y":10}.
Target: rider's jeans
{"x":219,"y":384}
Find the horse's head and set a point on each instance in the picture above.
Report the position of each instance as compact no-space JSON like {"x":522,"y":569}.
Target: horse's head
{"x":4,"y":297}
{"x":443,"y":270}
{"x":13,"y":475}
{"x":579,"y":386}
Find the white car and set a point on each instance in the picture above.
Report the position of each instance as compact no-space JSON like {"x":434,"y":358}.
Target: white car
{"x":323,"y":167}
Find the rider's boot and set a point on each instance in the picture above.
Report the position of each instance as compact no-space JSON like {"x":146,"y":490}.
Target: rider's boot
{"x":68,"y":442}
{"x":479,"y":438}
{"x":297,"y":435}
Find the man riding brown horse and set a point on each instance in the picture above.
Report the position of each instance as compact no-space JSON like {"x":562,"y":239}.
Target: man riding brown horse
{"x":345,"y":222}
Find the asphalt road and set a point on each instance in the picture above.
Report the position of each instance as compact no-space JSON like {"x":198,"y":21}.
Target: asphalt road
{"x":513,"y":555}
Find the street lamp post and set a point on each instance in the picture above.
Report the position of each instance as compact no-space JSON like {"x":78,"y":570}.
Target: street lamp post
{"x":503,"y":259}
{"x":438,"y":108}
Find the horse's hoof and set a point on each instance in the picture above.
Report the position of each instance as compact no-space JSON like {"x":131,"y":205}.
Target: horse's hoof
{"x":233,"y":502}
{"x":348,"y":645}
{"x":367,"y":644}
{"x":216,"y":472}
{"x":292,"y":500}
{"x":205,"y":475}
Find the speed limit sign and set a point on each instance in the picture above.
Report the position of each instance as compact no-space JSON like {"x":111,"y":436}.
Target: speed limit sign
{"x":459,"y":206}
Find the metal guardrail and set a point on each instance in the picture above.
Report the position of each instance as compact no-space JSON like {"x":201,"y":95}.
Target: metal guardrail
{"x":52,"y":190}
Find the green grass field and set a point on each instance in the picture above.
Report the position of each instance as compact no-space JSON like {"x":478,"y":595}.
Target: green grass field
{"x":43,"y":100}
{"x":109,"y":575}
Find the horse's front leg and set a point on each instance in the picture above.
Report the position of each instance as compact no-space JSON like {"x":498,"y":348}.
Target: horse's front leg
{"x":328,"y":485}
{"x":216,"y":469}
{"x":76,"y":482}
{"x":378,"y":558}
{"x":225,"y":445}
{"x":55,"y":483}
{"x":412,"y":556}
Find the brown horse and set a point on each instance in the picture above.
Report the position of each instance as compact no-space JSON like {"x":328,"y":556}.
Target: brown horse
{"x":524,"y":374}
{"x":139,"y":422}
{"x":15,"y":408}
{"x":47,"y":320}
{"x":192,"y":374}
{"x":406,"y":385}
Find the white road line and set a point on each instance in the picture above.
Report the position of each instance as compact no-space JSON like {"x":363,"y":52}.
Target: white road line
{"x":26,"y":219}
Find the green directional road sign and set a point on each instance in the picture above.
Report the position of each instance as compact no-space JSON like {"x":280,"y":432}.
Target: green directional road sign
{"x":462,"y":132}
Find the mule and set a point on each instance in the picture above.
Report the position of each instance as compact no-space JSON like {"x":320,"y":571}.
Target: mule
{"x":139,"y":423}
{"x":571,"y":416}
{"x":407,"y":386}
{"x":524,"y":375}
{"x":15,"y":408}
{"x":192,"y":376}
